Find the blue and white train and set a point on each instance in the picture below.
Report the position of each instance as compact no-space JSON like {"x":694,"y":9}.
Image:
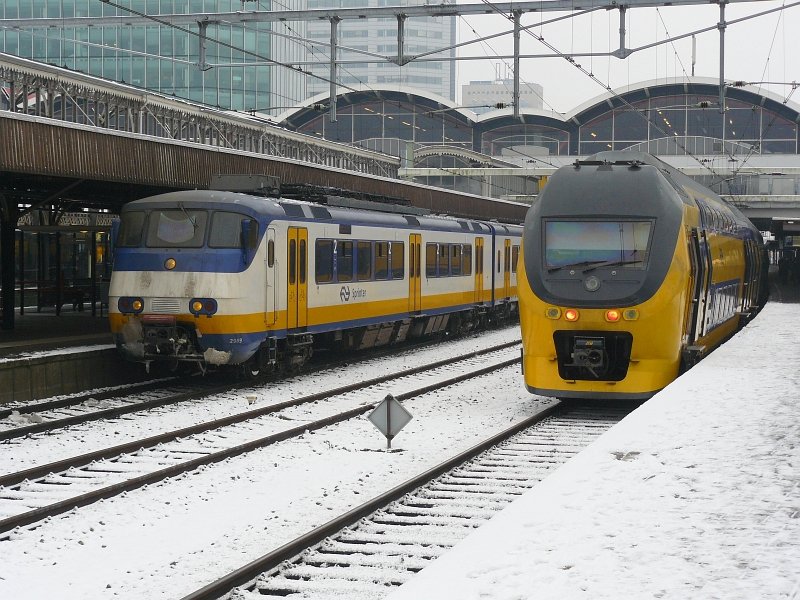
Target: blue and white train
{"x":221,"y":279}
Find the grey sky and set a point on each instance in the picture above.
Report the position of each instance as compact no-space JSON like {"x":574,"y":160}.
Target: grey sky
{"x":766,"y":48}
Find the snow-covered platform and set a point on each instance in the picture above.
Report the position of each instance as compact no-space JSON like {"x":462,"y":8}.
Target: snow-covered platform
{"x":49,"y":355}
{"x":694,"y":495}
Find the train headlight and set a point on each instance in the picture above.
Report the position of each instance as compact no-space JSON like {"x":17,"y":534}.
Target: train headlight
{"x":203,"y":306}
{"x":170,"y":264}
{"x":552,"y":312}
{"x":613,"y":315}
{"x":591,"y":283}
{"x":130,"y":305}
{"x":571,"y":314}
{"x":630,"y":314}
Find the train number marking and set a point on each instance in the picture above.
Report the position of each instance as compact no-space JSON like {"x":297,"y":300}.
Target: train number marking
{"x":235,"y":340}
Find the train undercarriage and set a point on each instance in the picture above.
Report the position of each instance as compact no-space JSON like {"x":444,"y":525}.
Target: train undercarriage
{"x":164,"y":342}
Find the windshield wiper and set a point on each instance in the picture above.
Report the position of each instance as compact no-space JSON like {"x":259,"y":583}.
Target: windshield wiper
{"x":582,"y":263}
{"x":192,"y":220}
{"x":613,"y":263}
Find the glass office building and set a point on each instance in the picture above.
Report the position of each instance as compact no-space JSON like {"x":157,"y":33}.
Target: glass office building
{"x":165,"y":59}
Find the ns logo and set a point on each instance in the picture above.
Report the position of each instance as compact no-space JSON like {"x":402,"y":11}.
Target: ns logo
{"x":344,"y":293}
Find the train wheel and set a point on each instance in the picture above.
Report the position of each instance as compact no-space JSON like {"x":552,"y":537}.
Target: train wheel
{"x":255,"y":367}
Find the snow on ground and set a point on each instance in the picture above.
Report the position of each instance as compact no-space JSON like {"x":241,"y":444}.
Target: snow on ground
{"x":694,"y":495}
{"x":169,"y":539}
{"x":81,"y":439}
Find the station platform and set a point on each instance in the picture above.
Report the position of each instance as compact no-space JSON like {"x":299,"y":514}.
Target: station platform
{"x":48,"y":355}
{"x":696,"y":494}
{"x":35,"y":331}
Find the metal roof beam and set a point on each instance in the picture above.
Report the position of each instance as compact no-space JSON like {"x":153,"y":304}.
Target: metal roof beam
{"x":439,"y":10}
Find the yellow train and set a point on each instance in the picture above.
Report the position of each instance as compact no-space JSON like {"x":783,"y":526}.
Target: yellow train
{"x":631,"y":272}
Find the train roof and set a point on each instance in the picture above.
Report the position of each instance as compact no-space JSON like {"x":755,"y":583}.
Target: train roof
{"x":279,"y":209}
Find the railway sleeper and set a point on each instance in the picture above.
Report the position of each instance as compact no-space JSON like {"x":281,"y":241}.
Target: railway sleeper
{"x":339,"y":546}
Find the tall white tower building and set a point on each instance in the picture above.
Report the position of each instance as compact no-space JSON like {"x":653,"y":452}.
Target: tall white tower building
{"x":422,"y":34}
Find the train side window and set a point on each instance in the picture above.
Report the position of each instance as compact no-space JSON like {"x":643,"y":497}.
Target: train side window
{"x":364,"y":261}
{"x":271,"y":253}
{"x":498,"y":261}
{"x":303,"y":261}
{"x":226,"y":230}
{"x":507,"y":260}
{"x":444,"y":260}
{"x":292,"y":261}
{"x":398,"y":260}
{"x":430,"y":260}
{"x":323,"y":259}
{"x":344,"y":260}
{"x":130,"y":230}
{"x":466,"y":259}
{"x":514,"y":258}
{"x":381,"y":260}
{"x":455,"y":259}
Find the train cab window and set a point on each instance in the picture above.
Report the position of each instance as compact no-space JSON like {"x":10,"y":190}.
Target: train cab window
{"x":323,"y":261}
{"x":226,"y":229}
{"x":466,"y":259}
{"x":444,"y":260}
{"x":617,"y":243}
{"x":430,"y":259}
{"x":181,"y":228}
{"x":398,"y":260}
{"x":455,"y":259}
{"x":130,"y":230}
{"x":364,"y":261}
{"x":381,"y":260}
{"x":514,"y":258}
{"x":344,"y":260}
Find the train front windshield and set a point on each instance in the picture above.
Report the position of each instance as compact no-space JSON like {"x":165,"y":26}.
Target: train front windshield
{"x":183,"y":228}
{"x":619,"y":243}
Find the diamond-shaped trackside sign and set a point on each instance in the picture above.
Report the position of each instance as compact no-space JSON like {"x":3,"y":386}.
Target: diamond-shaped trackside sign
{"x":390,"y":417}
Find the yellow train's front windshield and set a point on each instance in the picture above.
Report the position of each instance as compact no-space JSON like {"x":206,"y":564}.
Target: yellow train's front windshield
{"x":585,"y":243}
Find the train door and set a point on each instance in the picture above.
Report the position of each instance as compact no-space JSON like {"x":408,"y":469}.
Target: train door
{"x":507,"y":269}
{"x":414,"y":272}
{"x":479,"y":269}
{"x":296,"y":274}
{"x":701,"y":272}
{"x":271,"y":280}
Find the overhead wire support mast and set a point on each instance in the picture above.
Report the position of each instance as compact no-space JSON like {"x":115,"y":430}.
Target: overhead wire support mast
{"x":517,"y":14}
{"x":722,"y":27}
{"x":334,"y":43}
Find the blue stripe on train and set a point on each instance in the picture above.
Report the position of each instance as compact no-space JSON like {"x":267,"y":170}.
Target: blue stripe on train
{"x":203,"y":260}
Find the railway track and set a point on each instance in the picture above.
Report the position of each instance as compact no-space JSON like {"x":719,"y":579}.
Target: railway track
{"x":368,"y":551}
{"x":43,"y":417}
{"x":76,"y":409}
{"x":33,"y":494}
